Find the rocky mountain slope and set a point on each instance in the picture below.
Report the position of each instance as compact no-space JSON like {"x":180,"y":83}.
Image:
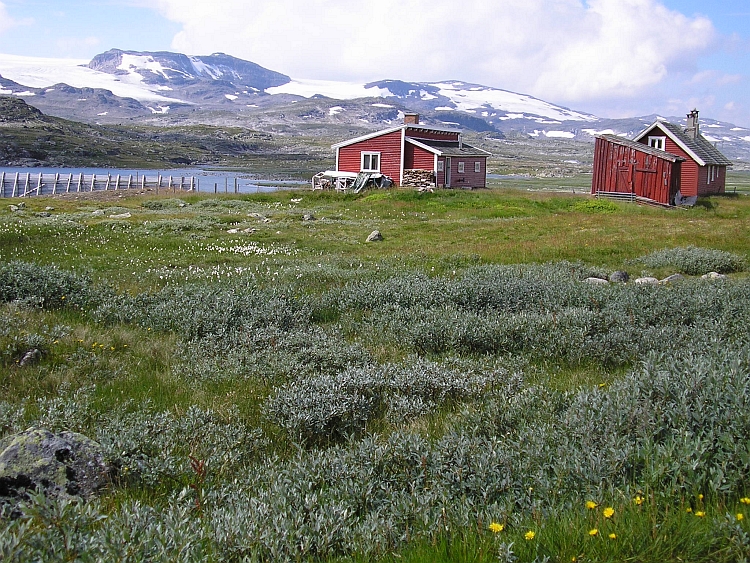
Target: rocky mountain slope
{"x":163,"y":88}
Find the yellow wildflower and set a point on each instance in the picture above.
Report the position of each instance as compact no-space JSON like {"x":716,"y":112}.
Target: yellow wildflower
{"x":688,"y":509}
{"x":745,"y":500}
{"x":700,"y":513}
{"x":530,"y":535}
{"x":638,"y":500}
{"x":608,"y":512}
{"x":591,"y":505}
{"x":497,"y":527}
{"x":613,"y":536}
{"x":740,"y":516}
{"x":594,"y":532}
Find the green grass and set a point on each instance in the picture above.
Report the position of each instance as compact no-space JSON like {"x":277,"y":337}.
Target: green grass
{"x":133,"y":367}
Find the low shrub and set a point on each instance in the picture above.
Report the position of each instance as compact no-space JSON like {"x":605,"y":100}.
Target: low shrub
{"x":695,"y":261}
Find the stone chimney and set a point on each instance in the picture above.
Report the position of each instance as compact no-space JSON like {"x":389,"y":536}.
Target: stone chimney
{"x":693,"y":128}
{"x":411,"y":119}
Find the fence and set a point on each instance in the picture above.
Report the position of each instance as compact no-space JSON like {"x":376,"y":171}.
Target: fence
{"x":22,"y":185}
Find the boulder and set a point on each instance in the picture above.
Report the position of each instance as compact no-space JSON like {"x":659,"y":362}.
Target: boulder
{"x":673,"y":279}
{"x":646,"y":281}
{"x":121,"y":216}
{"x":619,"y":276}
{"x":374,"y":236}
{"x":713,"y":276}
{"x":596,"y":281}
{"x":308,"y":217}
{"x":59,"y":464}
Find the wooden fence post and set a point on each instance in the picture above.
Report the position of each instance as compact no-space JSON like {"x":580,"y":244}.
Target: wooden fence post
{"x":80,"y":182}
{"x":93,"y":182}
{"x":70,"y":180}
{"x":54,"y":188}
{"x":15,"y":186}
{"x":2,"y":185}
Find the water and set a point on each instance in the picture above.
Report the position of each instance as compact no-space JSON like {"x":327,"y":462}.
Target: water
{"x":206,"y":180}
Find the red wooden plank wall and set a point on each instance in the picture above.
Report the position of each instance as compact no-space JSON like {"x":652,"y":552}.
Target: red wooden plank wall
{"x":418,"y":158}
{"x":389,"y":147}
{"x":468,"y":178}
{"x":618,"y":168}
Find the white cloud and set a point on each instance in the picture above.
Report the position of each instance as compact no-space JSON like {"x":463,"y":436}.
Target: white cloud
{"x":568,"y":50}
{"x":7,"y":22}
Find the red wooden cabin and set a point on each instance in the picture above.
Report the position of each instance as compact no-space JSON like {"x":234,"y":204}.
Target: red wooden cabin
{"x":665,"y":163}
{"x":414,"y":147}
{"x":704,"y":171}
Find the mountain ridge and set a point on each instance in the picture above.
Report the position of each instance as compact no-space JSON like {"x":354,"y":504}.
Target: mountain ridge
{"x":119,"y":86}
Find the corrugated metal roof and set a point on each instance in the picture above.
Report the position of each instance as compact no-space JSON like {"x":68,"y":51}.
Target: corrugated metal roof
{"x":700,"y":145}
{"x":641,"y":147}
{"x":449,"y":148}
{"x":700,"y":149}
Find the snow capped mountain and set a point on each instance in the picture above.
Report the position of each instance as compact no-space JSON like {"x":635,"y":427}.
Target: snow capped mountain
{"x":492,"y":104}
{"x":123,"y":85}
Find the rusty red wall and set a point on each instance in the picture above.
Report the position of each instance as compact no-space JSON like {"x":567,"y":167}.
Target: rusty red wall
{"x":711,"y":188}
{"x":418,"y":158}
{"x":690,"y":169}
{"x":468,"y":178}
{"x":440,"y":174}
{"x":623,"y":169}
{"x":389,"y":147}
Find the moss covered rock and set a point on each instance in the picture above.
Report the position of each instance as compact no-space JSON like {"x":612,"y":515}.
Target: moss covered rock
{"x":66,"y":463}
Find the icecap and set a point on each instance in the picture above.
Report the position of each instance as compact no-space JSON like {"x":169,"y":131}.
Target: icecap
{"x":329,"y":88}
{"x":335,"y":110}
{"x":44,"y":72}
{"x":510,"y":102}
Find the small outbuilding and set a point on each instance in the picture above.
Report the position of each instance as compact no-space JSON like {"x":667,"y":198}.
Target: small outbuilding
{"x":415,"y":155}
{"x":665,"y":163}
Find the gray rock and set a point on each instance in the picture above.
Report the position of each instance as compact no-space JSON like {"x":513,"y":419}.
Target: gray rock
{"x":308,"y":217}
{"x":713,"y":276}
{"x":121,"y":216}
{"x":14,"y":208}
{"x":646,"y":281}
{"x":596,"y":281}
{"x":619,"y":276}
{"x":44,"y":214}
{"x":98,"y":212}
{"x":30,"y":357}
{"x":673,"y":278}
{"x":62,"y":464}
{"x":48,"y":208}
{"x":374,"y":236}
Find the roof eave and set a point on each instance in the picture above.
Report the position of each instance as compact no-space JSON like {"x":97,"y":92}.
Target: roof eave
{"x":367,"y":137}
{"x":675,"y":139}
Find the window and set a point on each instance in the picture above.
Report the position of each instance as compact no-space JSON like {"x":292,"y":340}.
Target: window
{"x":441,"y":165}
{"x":657,"y":143}
{"x":460,"y":167}
{"x":370,"y":162}
{"x":477,"y":167}
{"x":712,"y":173}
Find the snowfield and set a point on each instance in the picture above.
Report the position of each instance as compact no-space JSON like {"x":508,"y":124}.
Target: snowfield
{"x":41,"y":73}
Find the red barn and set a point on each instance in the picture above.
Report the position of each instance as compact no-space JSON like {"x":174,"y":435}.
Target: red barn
{"x":413,"y":151}
{"x":624,"y":168}
{"x":665,"y":163}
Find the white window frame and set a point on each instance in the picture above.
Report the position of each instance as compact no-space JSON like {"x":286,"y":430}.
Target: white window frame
{"x":461,"y":168}
{"x":478,"y":166}
{"x":367,"y":155}
{"x":441,"y":166}
{"x":658,"y":143}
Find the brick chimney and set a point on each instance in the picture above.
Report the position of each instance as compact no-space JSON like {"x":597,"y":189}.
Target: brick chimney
{"x":693,"y":128}
{"x":411,"y":119}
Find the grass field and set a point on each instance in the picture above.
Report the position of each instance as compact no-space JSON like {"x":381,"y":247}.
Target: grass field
{"x":455,"y":392}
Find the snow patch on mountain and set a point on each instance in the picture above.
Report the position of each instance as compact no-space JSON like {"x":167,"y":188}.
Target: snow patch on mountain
{"x":37,"y":72}
{"x":473,"y":97}
{"x":330,"y":89}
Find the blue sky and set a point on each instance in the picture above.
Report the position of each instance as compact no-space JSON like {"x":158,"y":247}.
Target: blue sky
{"x":614,"y":58}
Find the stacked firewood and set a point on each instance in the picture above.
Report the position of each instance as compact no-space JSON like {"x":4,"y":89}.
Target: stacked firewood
{"x":419,"y":178}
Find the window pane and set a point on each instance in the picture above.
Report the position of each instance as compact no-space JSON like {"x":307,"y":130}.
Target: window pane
{"x":375,"y":164}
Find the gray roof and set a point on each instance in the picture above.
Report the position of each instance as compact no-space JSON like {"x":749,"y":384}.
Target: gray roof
{"x":641,"y":147}
{"x":699,"y":147}
{"x":451,"y":148}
